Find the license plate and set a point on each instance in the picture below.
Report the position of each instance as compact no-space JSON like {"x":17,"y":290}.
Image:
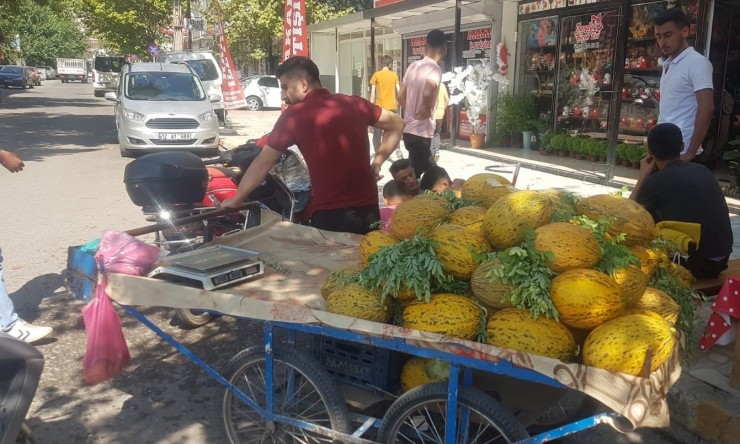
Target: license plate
{"x":174,"y":136}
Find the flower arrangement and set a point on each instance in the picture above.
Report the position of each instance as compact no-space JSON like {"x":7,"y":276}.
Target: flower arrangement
{"x":472,"y":83}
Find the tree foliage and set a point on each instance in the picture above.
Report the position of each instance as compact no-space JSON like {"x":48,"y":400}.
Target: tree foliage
{"x":46,"y":31}
{"x":125,"y":26}
{"x":252,"y":26}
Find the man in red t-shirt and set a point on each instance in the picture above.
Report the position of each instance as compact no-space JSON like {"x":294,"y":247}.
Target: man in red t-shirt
{"x":330,"y":130}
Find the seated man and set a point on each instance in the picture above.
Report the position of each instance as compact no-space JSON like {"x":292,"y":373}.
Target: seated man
{"x":674,"y":190}
{"x":436,"y":179}
{"x":395,"y":193}
{"x":403,"y":171}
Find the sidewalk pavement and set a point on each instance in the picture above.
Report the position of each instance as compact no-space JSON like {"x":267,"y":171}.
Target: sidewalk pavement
{"x":703,"y":405}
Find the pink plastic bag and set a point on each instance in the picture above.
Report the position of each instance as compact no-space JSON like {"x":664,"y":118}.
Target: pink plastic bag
{"x":107,"y":353}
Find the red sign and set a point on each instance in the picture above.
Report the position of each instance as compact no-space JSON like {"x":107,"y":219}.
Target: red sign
{"x":591,"y":31}
{"x":379,"y":3}
{"x":295,"y":42}
{"x":230,"y":87}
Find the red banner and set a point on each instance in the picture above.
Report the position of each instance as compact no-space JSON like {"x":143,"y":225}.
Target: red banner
{"x":230,"y":86}
{"x":295,"y":42}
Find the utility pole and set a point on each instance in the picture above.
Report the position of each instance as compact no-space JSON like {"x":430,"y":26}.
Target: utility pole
{"x":190,"y":25}
{"x":177,"y":25}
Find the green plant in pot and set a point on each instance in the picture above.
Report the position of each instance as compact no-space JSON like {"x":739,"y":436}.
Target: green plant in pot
{"x":636,"y":153}
{"x":602,"y":150}
{"x":623,"y":150}
{"x":514,"y":114}
{"x":732,"y":158}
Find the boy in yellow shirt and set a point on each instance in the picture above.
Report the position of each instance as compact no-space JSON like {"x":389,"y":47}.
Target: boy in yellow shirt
{"x":385,"y":85}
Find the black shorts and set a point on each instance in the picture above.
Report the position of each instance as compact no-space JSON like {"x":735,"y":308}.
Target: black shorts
{"x":358,"y":220}
{"x":420,"y":151}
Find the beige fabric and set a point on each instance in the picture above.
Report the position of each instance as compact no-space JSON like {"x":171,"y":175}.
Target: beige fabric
{"x":300,"y":258}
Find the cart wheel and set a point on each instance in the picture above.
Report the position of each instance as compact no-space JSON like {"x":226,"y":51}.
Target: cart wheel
{"x":565,"y":410}
{"x":191,"y":318}
{"x":419,"y":416}
{"x":302,"y":389}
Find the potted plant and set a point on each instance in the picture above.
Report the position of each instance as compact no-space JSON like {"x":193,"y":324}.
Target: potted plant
{"x":602,"y":150}
{"x":545,"y":143}
{"x":559,"y":143}
{"x":514,"y":114}
{"x":636,"y":153}
{"x":472,"y":84}
{"x":532,"y":128}
{"x":732,"y":157}
{"x":623,"y":150}
{"x":590,"y":148}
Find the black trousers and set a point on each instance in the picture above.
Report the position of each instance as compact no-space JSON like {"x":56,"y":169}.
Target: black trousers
{"x":419,"y":152}
{"x":348,"y":220}
{"x":703,"y":268}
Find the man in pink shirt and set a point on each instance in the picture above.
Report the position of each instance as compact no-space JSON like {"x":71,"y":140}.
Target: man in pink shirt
{"x":418,"y":97}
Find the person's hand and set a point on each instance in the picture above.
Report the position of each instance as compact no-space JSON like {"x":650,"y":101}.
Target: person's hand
{"x":688,"y":156}
{"x":11,"y":162}
{"x":231,"y":202}
{"x":376,"y":172}
{"x":647,"y":165}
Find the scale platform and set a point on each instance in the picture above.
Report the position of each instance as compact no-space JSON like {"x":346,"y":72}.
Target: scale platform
{"x":210,"y":267}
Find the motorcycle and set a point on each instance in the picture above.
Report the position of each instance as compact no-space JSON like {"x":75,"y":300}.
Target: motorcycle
{"x":21,"y":365}
{"x":175,"y":186}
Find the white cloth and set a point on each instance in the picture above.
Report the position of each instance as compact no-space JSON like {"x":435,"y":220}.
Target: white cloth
{"x":682,"y":78}
{"x":414,"y":80}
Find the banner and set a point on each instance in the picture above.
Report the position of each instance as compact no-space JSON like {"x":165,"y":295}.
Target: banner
{"x":231,"y":89}
{"x":295,"y":42}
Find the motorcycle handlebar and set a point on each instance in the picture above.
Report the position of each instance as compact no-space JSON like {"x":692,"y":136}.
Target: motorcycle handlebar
{"x":188,"y":219}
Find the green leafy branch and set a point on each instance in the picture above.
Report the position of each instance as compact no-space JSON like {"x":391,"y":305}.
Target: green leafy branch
{"x":455,"y":202}
{"x":527,"y":270}
{"x":686,"y":298}
{"x":614,"y":255}
{"x":411,"y":263}
{"x":567,"y":210}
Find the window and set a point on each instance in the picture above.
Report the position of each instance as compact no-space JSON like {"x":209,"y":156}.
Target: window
{"x":204,"y":68}
{"x":163,"y":86}
{"x":269,"y":82}
{"x":108,"y":64}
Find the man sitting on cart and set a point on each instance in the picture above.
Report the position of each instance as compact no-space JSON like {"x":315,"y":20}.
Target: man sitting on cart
{"x":330,"y":130}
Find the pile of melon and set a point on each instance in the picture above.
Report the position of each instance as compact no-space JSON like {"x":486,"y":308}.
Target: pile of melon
{"x":614,"y":322}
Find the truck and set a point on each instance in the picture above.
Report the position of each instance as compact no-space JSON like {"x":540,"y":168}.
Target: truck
{"x":72,"y":69}
{"x":106,"y":72}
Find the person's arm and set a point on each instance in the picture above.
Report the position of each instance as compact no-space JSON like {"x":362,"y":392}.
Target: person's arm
{"x":401,"y":96}
{"x":392,"y":127}
{"x":428,"y":100}
{"x":702,"y":121}
{"x":11,"y":161}
{"x":253,"y":177}
{"x":372,"y":93}
{"x":647,"y":166}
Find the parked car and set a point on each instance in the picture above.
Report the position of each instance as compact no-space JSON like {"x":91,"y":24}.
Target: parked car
{"x":13,"y":75}
{"x":35,"y":75}
{"x":163,"y":106}
{"x":51,"y":73}
{"x":205,"y":65}
{"x":262,"y":92}
{"x":42,"y":72}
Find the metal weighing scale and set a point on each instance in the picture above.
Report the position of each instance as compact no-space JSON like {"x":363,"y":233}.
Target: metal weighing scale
{"x":211,"y":267}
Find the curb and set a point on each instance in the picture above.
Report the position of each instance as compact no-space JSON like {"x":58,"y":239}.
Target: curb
{"x":701,"y":413}
{"x":732,"y":204}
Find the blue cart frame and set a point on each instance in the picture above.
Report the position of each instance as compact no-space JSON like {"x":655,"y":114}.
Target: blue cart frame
{"x":459,"y":365}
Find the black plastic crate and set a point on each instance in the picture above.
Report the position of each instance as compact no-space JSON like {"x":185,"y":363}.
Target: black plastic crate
{"x":359,"y":364}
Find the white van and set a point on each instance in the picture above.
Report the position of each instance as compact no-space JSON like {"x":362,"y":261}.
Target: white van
{"x":105,"y":74}
{"x":207,"y":68}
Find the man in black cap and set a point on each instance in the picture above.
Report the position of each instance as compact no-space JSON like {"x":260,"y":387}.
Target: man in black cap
{"x":674,"y":190}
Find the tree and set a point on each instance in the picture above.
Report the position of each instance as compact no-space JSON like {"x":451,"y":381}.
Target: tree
{"x":45,"y":31}
{"x":253,"y":26}
{"x":125,"y":26}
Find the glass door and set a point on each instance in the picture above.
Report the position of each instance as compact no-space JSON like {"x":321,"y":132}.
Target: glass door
{"x":585,"y":72}
{"x":537,"y":61}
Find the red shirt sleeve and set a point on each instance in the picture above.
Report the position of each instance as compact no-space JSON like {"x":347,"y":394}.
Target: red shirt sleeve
{"x":281,"y":137}
{"x":370,"y":110}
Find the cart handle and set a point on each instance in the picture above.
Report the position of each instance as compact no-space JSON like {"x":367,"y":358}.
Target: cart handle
{"x":188,"y":219}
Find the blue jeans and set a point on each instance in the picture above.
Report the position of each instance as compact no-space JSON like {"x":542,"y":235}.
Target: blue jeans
{"x":8,"y":316}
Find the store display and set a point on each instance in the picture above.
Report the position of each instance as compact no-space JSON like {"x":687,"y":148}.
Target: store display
{"x":538,"y":63}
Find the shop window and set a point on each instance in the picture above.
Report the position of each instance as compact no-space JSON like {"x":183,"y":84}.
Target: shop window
{"x":585,"y":74}
{"x":537,"y":63}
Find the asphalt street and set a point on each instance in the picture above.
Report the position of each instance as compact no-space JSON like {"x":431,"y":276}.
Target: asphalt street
{"x":69,"y":193}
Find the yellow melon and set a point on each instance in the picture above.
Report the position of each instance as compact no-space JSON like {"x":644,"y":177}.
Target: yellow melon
{"x":473,"y":187}
{"x":470,"y":217}
{"x":515,"y":329}
{"x":493,"y":293}
{"x":419,"y":215}
{"x":446,"y":314}
{"x":586,"y":298}
{"x":373,"y":242}
{"x":626,"y":217}
{"x":456,"y":249}
{"x":510,"y":216}
{"x":571,"y":246}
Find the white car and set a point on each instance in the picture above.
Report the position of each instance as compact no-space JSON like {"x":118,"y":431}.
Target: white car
{"x":163,"y":106}
{"x":262,"y":92}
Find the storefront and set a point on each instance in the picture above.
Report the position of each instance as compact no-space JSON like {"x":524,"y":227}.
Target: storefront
{"x":592,"y":74}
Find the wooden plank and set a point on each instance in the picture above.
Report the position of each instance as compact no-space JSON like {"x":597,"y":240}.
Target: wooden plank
{"x":711,"y":287}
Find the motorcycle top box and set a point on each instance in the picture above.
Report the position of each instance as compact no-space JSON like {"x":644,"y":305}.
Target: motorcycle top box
{"x":166,"y":178}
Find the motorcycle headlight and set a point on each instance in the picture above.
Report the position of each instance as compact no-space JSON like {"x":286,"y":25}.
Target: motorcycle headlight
{"x":207,"y":116}
{"x":133,"y":115}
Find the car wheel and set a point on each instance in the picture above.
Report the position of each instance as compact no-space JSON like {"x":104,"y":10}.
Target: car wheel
{"x":254,"y":103}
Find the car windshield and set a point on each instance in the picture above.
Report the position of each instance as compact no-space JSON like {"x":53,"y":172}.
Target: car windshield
{"x":109,"y":64}
{"x":163,"y":86}
{"x":205,"y":69}
{"x":13,"y":70}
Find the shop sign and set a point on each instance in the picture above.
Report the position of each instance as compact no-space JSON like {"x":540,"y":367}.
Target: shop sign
{"x":415,"y":49}
{"x":541,"y":5}
{"x":583,"y":2}
{"x":380,"y":3}
{"x":295,"y":42}
{"x":478,"y":44}
{"x":585,"y":34}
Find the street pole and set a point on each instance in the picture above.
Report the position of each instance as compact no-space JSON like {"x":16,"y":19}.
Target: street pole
{"x":190,"y":26}
{"x":176,"y":25}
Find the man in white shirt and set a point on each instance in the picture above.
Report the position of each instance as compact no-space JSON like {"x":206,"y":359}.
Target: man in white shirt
{"x":418,"y":97}
{"x":686,"y":96}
